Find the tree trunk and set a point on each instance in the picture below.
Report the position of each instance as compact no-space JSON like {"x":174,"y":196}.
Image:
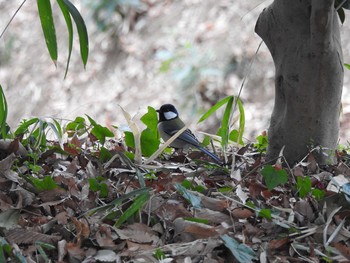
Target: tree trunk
{"x":304,"y":40}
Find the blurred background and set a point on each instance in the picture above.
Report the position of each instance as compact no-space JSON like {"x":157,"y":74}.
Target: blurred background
{"x":143,"y":53}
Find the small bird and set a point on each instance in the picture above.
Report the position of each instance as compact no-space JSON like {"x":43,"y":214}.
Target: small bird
{"x":169,"y":123}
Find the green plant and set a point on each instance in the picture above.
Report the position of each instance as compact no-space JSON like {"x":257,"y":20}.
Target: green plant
{"x":40,"y":246}
{"x":69,"y":11}
{"x":98,"y":185}
{"x":47,"y":183}
{"x":4,"y":128}
{"x":8,"y":252}
{"x":262,"y":143}
{"x":149,"y":138}
{"x":159,"y":254}
{"x":34,"y":132}
{"x":99,"y":131}
{"x":225,"y":131}
{"x":274,"y":176}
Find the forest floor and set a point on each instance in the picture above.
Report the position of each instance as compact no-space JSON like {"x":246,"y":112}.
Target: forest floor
{"x":84,"y":202}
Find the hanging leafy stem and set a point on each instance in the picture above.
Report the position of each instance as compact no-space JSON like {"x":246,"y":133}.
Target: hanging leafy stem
{"x":69,"y":11}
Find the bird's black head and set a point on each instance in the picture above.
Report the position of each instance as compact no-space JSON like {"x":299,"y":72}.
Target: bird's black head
{"x":167,"y":112}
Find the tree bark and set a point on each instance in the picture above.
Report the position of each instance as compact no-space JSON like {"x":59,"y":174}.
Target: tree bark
{"x":304,"y":40}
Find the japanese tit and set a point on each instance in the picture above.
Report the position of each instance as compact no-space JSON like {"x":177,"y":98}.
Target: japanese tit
{"x":169,"y":123}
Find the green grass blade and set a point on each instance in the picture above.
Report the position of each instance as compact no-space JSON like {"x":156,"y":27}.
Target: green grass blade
{"x":3,"y":113}
{"x":82,"y":31}
{"x":241,"y":121}
{"x":48,"y":26}
{"x":225,"y":123}
{"x":215,"y":108}
{"x":68,"y":20}
{"x":136,"y":206}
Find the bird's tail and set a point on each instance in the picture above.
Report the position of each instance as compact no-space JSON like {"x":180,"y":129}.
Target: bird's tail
{"x":212,"y":155}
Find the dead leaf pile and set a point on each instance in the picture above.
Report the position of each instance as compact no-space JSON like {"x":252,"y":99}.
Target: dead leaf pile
{"x":79,"y":207}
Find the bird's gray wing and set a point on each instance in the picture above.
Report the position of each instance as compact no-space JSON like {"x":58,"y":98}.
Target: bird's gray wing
{"x":187,"y":136}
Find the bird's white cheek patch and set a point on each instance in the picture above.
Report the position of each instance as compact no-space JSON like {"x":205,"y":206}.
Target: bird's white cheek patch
{"x":170,"y":115}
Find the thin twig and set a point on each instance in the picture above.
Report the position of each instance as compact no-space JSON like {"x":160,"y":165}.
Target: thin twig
{"x":12,"y":17}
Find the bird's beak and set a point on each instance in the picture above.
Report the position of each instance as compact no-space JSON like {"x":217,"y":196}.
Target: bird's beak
{"x":157,"y":110}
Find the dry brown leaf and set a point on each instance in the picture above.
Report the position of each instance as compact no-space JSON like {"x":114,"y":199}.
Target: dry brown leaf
{"x":82,"y":230}
{"x":171,"y":210}
{"x":343,"y":249}
{"x":242,"y":213}
{"x":212,"y":216}
{"x":193,"y":229}
{"x":213,"y":203}
{"x":304,"y":208}
{"x":139,"y":233}
{"x":278,"y":244}
{"x":13,"y":146}
{"x":56,"y":194}
{"x":26,"y":236}
{"x":104,"y":237}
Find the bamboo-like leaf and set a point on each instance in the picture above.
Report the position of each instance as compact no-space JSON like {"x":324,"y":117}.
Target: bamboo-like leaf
{"x":68,"y":20}
{"x":48,"y":26}
{"x":225,"y":123}
{"x":214,"y":108}
{"x":136,"y":206}
{"x":3,"y":113}
{"x":82,"y":31}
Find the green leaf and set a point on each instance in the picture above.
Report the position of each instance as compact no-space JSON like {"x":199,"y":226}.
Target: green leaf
{"x":274,"y":177}
{"x":241,"y":252}
{"x":150,"y":119}
{"x":105,"y":155}
{"x":236,"y":136}
{"x":215,"y":108}
{"x":23,"y":128}
{"x":159,"y":254}
{"x":149,"y":137}
{"x":58,"y":129}
{"x":241,"y":121}
{"x":44,"y":245}
{"x":265,"y":213}
{"x":318,"y":194}
{"x":149,"y":142}
{"x":136,"y":206}
{"x":262,"y":143}
{"x":44,"y":184}
{"x":129,"y":139}
{"x":197,"y":220}
{"x":103,"y":190}
{"x":82,"y":31}
{"x":347,"y":65}
{"x":225,"y":189}
{"x":69,"y":24}
{"x":94,"y":184}
{"x":48,"y":26}
{"x":303,"y":186}
{"x":99,"y":131}
{"x":225,"y":123}
{"x":78,"y":125}
{"x":3,"y":114}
